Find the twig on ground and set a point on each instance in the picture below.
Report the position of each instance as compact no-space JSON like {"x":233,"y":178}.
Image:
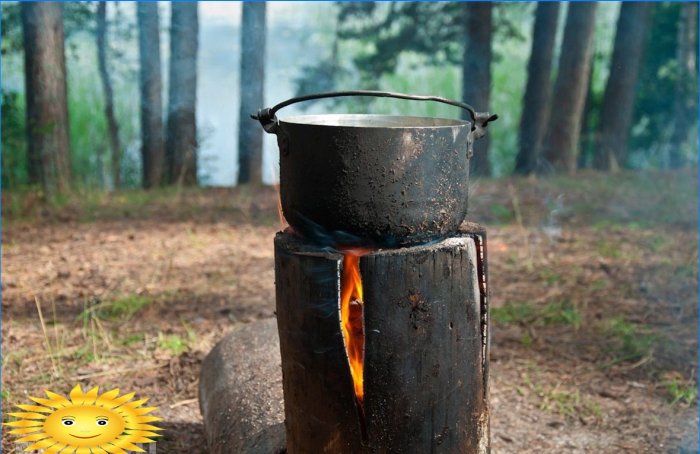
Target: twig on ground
{"x":183,"y":402}
{"x":46,"y":338}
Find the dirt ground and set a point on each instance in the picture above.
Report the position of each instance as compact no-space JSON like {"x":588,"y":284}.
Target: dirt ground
{"x":593,"y":292}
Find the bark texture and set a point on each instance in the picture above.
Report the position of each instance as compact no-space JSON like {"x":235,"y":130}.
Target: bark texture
{"x":588,"y":132}
{"x":181,"y":141}
{"x":112,"y":125}
{"x":533,"y":120}
{"x":152,"y":144}
{"x":250,"y":139}
{"x":564,"y":127}
{"x":48,"y":143}
{"x":426,"y":349}
{"x":618,"y":101}
{"x":476,"y":74}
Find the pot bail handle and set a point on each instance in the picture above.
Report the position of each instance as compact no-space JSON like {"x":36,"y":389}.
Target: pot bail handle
{"x":269,"y":122}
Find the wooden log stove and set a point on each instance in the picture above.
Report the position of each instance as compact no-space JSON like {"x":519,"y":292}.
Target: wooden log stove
{"x":422,"y":383}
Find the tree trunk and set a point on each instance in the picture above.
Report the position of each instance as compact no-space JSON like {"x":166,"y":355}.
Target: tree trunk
{"x":181,"y":142}
{"x":588,"y":129}
{"x":152,"y":145}
{"x":685,"y":103}
{"x":618,"y":102}
{"x":250,"y":140}
{"x":112,"y":126}
{"x":533,"y":119}
{"x":476,"y":73}
{"x":48,"y":142}
{"x":561,"y":140}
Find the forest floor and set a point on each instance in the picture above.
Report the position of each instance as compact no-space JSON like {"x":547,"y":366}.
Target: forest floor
{"x":593,"y":295}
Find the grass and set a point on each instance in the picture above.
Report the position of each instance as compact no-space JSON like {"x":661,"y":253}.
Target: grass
{"x":123,"y":308}
{"x":555,"y":399}
{"x":174,"y":343}
{"x":501,"y":212}
{"x":681,"y":392}
{"x":551,"y":277}
{"x":568,"y":403}
{"x":553,"y":313}
{"x":239,"y":204}
{"x":628,"y":341}
{"x":607,"y":224}
{"x":609,"y":249}
{"x":131,"y":339}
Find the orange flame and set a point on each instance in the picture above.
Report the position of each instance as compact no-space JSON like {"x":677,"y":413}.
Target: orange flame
{"x":351,"y":317}
{"x":283,"y":221}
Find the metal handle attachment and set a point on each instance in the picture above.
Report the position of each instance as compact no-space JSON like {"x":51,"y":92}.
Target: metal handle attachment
{"x":269,"y":122}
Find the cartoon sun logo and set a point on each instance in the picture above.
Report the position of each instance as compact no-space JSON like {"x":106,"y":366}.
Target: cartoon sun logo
{"x":88,"y":423}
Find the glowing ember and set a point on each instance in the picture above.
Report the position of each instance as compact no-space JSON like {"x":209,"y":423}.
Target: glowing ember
{"x":351,"y":317}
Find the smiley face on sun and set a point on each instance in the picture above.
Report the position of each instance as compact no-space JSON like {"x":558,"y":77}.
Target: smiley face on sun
{"x":86,"y":423}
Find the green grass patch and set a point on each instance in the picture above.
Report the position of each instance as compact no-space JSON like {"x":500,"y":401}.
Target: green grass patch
{"x":86,"y":354}
{"x":501,"y":212}
{"x":679,"y":392}
{"x":686,"y":271}
{"x":174,"y":343}
{"x":512,"y":313}
{"x":131,"y":339}
{"x":569,"y":403}
{"x":550,"y":277}
{"x":553,"y":313}
{"x":124,"y":307}
{"x":608,"y":224}
{"x":609,"y":249}
{"x":658,"y":243}
{"x":118,"y":309}
{"x":628,"y":341}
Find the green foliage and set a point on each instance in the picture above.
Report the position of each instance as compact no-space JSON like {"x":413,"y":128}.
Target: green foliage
{"x":77,"y":17}
{"x":430,"y":29}
{"x":603,"y":41}
{"x":14,"y":144}
{"x":656,"y":91}
{"x":11,"y":28}
{"x":90,"y":152}
{"x":90,"y":156}
{"x":433,"y":30}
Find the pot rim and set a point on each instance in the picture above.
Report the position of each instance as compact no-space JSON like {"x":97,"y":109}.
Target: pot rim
{"x":373,"y":121}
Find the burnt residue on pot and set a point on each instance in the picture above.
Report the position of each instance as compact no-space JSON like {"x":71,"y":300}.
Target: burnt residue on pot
{"x":386,"y":180}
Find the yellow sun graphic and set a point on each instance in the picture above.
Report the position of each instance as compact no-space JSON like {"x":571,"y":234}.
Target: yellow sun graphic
{"x":88,"y":423}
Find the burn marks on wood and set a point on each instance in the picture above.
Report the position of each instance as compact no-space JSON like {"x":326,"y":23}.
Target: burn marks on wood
{"x":426,"y":347}
{"x":423,"y":366}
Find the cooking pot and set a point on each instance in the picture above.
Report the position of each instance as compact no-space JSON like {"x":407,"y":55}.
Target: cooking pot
{"x":374,"y":179}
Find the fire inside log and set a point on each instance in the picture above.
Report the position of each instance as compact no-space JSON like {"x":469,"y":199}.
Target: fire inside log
{"x":425,"y":362}
{"x":352,"y":320}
